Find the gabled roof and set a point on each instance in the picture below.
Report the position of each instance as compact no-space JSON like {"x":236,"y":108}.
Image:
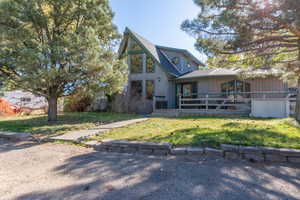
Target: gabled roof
{"x":216,"y":72}
{"x":155,"y":51}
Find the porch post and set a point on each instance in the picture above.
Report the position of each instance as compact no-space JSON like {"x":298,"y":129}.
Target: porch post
{"x":154,"y":103}
{"x":206,"y":102}
{"x":179,"y":101}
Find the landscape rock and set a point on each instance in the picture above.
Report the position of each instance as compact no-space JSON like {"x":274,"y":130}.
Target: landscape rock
{"x":231,"y":148}
{"x":115,"y":149}
{"x":250,"y":149}
{"x":294,"y":160}
{"x":270,"y":150}
{"x":130,"y":150}
{"x":92,"y":144}
{"x":146,"y":151}
{"x":290,"y":152}
{"x":275,"y":158}
{"x":179,"y":151}
{"x":254,"y":157}
{"x":214,"y":152}
{"x":195,"y":150}
{"x":161,"y":152}
{"x":232,"y":155}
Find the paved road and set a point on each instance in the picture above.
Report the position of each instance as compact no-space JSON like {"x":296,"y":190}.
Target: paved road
{"x":54,"y":171}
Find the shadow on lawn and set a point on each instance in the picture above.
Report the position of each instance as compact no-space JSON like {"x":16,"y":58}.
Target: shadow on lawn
{"x":120,"y":176}
{"x":211,"y":137}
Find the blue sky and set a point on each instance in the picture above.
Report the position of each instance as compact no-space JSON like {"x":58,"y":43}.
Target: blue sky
{"x":158,"y":21}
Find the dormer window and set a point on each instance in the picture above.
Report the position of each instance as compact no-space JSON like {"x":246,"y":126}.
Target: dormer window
{"x":175,"y":60}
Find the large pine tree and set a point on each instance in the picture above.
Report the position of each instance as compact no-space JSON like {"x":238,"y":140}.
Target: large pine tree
{"x":50,"y":47}
{"x":250,"y":32}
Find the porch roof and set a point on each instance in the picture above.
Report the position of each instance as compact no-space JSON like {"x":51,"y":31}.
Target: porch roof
{"x":216,"y":72}
{"x":209,"y":73}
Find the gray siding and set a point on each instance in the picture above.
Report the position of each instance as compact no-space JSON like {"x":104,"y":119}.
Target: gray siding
{"x":213,"y":84}
{"x":160,"y":78}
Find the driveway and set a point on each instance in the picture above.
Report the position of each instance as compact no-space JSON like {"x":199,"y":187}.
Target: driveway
{"x":54,"y":171}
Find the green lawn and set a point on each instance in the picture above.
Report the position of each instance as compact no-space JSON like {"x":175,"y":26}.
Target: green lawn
{"x":39,"y":126}
{"x":212,"y":132}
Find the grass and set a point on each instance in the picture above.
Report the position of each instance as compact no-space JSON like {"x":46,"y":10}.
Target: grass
{"x":40,"y":127}
{"x":212,"y":132}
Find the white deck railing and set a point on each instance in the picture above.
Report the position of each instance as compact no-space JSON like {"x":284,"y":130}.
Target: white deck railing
{"x":221,"y":101}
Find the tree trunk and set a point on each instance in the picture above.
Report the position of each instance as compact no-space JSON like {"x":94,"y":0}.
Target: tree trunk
{"x":52,"y":109}
{"x":297,"y":113}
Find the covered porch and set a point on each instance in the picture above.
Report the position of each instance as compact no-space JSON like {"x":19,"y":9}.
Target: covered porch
{"x":226,"y":94}
{"x":220,"y":104}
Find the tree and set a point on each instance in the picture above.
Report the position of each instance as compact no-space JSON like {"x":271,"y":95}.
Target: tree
{"x":50,"y":47}
{"x":250,"y":32}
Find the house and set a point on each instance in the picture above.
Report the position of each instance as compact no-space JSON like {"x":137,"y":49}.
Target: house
{"x":173,"y":80}
{"x":17,"y":101}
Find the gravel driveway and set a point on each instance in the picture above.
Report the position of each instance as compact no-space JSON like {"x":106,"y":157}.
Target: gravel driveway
{"x":55,"y":171}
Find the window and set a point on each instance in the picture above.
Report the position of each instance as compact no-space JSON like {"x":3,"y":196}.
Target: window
{"x":135,"y":46}
{"x":150,"y":65}
{"x":235,"y":86}
{"x":25,"y":99}
{"x":189,"y":89}
{"x":149,"y":89}
{"x":136,"y":89}
{"x":136,"y":63}
{"x":175,"y":60}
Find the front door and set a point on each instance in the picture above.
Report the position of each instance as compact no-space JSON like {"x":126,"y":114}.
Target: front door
{"x":187,"y":90}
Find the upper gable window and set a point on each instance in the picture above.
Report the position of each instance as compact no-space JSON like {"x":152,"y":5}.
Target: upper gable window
{"x":150,"y":68}
{"x":135,"y":46}
{"x":175,"y":60}
{"x":136,"y":63}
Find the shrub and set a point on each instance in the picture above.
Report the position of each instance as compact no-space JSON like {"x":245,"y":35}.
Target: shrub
{"x":78,"y":103}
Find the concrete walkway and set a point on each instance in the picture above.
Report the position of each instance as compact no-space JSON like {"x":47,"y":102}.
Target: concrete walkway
{"x":78,"y":136}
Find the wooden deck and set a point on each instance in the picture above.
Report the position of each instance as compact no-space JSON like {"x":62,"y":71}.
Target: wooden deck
{"x":233,"y":105}
{"x":197,"y":112}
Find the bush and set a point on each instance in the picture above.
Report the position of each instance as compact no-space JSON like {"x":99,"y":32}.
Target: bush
{"x":78,"y":103}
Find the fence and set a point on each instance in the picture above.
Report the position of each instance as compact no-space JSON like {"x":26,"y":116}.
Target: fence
{"x":221,"y":101}
{"x":232,"y":101}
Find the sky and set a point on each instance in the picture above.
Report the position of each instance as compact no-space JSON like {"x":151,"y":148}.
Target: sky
{"x":158,"y":21}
